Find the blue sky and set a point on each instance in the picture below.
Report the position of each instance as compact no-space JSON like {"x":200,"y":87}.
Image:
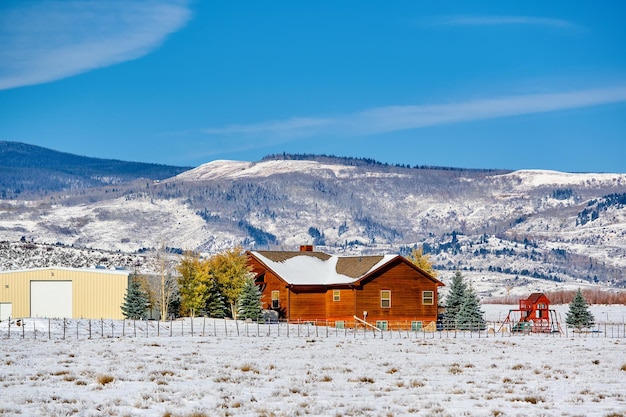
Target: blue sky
{"x":476,"y":84}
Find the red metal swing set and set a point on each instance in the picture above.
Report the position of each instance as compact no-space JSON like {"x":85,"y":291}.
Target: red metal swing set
{"x":534,"y":315}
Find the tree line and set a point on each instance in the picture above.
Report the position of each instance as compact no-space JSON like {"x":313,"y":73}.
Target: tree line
{"x":218,"y":286}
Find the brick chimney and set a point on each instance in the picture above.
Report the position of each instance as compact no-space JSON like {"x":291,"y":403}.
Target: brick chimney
{"x":306,"y":248}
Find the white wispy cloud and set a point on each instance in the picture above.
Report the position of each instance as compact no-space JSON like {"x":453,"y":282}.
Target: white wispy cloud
{"x":50,"y":40}
{"x":396,"y":118}
{"x":486,"y":20}
{"x":288,"y":126}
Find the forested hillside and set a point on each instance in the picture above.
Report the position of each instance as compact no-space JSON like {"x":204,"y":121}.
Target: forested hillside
{"x":32,"y":170}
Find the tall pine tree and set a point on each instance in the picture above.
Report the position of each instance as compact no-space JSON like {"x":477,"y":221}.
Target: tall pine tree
{"x":579,"y":315}
{"x":215,"y":304}
{"x":470,"y":316}
{"x":135,"y":301}
{"x":249,"y":305}
{"x":454,"y":299}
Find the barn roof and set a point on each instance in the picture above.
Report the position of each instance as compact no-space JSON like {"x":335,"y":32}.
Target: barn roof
{"x":318,"y":268}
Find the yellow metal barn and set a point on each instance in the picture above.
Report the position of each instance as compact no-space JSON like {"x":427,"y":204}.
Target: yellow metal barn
{"x":63,"y":293}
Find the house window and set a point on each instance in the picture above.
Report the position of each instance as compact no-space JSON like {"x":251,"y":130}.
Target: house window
{"x":428,"y":298}
{"x":275,"y":302}
{"x":416,"y":326}
{"x":382,"y":324}
{"x":340,"y":324}
{"x":538,"y":314}
{"x":385,"y":299}
{"x":336,"y":295}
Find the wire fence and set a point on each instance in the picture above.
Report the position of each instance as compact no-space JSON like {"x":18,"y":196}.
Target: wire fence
{"x":77,"y":329}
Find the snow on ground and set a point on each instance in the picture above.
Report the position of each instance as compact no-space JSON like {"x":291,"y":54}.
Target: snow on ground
{"x":311,"y":373}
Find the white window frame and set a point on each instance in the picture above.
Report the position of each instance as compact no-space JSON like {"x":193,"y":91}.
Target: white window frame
{"x":275,"y":299}
{"x":336,"y":295}
{"x":425,"y":298}
{"x":340,"y":324}
{"x":382,"y":324}
{"x":417,"y":326}
{"x":385,"y":299}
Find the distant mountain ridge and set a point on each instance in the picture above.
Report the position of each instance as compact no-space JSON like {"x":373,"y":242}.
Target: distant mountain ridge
{"x":364,"y":162}
{"x":30,"y":169}
{"x":527,"y":230}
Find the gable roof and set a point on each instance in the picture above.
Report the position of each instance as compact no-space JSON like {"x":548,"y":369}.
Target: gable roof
{"x":534,"y":297}
{"x":318,"y":268}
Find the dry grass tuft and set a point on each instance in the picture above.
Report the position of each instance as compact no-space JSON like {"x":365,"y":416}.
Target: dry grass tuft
{"x":105,"y":379}
{"x":455,"y":368}
{"x":529,"y":399}
{"x":416,"y":384}
{"x":60,"y":373}
{"x":246,"y":367}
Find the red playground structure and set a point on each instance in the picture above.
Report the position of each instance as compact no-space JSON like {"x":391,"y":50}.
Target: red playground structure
{"x":533,"y":316}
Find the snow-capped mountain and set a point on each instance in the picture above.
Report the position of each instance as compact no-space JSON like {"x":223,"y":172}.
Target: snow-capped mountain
{"x":522,"y":229}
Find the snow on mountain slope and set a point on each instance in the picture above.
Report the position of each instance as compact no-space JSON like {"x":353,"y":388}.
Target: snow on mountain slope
{"x":237,"y":170}
{"x":529,"y":179}
{"x":125,"y":224}
{"x":519,"y":229}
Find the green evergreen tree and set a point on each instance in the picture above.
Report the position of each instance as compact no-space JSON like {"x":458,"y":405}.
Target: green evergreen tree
{"x":470,"y":316}
{"x":579,"y":315}
{"x":454,"y":299}
{"x":249,"y":305}
{"x":135,"y":301}
{"x":215,"y":304}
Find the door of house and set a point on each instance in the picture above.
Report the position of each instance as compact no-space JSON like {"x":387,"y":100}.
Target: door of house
{"x":6,"y":311}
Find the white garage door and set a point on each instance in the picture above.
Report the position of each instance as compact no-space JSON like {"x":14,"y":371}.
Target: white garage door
{"x":51,"y":299}
{"x":6,"y":311}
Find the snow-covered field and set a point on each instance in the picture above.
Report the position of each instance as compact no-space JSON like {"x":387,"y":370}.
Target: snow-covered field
{"x":339,"y":374}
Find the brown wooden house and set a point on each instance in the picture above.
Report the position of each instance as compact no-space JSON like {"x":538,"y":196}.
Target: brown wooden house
{"x":385,"y":291}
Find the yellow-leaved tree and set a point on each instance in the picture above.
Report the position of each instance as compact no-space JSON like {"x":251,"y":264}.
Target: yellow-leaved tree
{"x":230,"y":269}
{"x":422,"y":261}
{"x":193,"y":283}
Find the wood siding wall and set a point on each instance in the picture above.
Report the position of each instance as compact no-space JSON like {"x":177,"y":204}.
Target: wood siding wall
{"x":406,"y":286}
{"x":308,"y":305}
{"x":344,"y":309}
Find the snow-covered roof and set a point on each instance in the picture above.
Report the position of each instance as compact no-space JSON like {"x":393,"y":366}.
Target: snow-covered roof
{"x":316,"y":268}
